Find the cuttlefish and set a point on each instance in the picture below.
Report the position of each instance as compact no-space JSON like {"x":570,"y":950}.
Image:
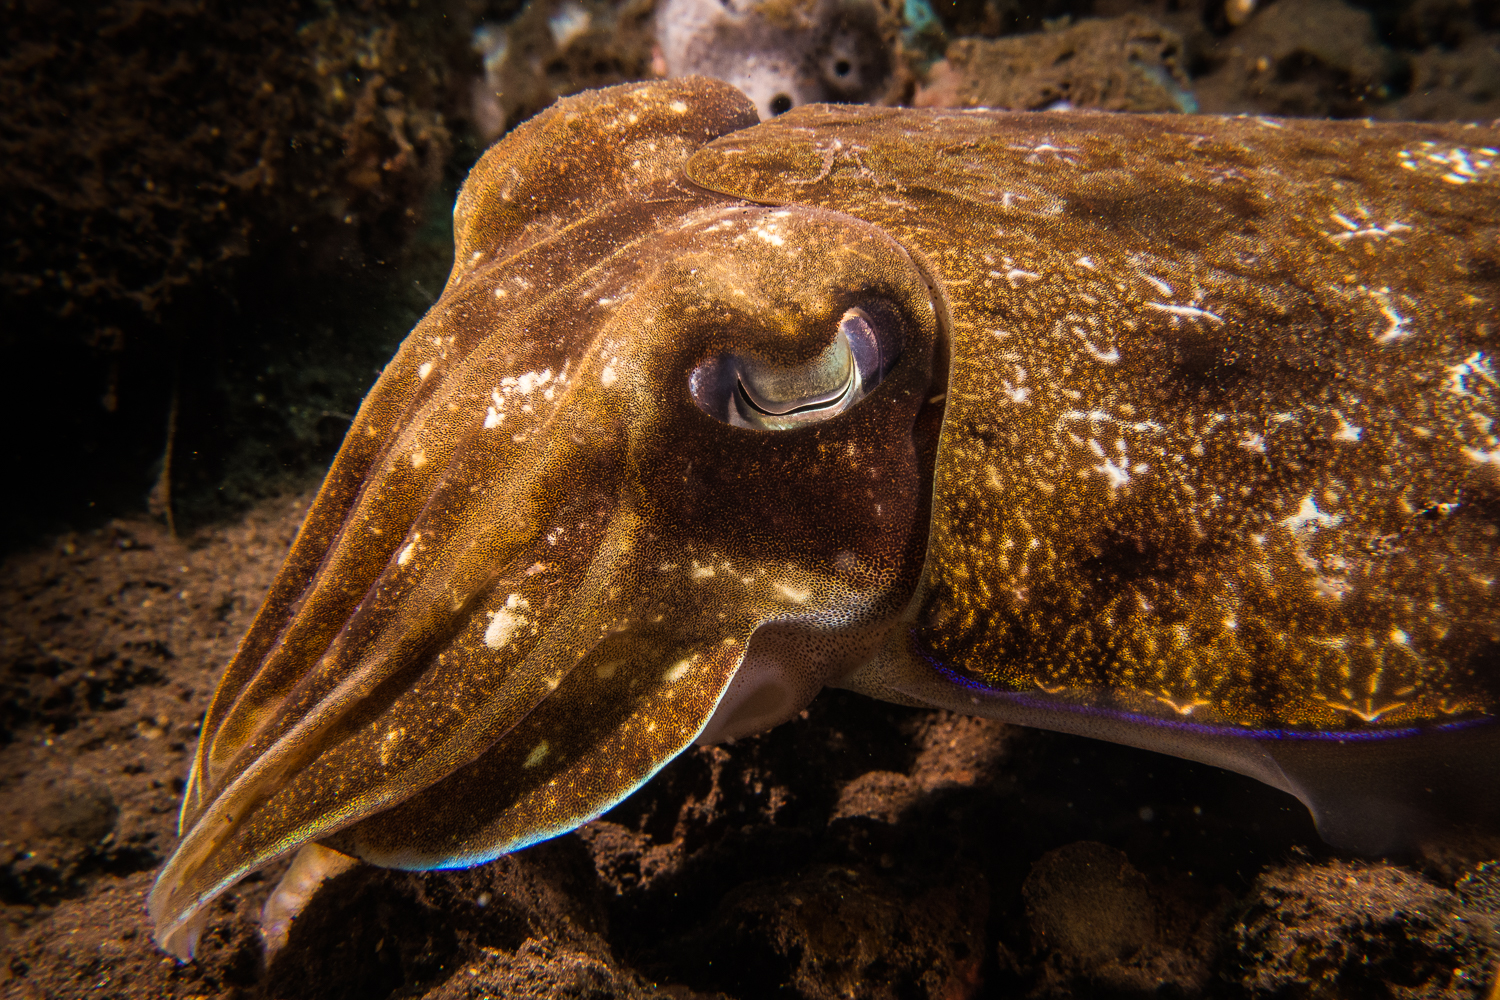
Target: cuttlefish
{"x":1173,"y":431}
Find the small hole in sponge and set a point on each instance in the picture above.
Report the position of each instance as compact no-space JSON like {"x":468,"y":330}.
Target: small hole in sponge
{"x":842,"y":68}
{"x":780,"y":104}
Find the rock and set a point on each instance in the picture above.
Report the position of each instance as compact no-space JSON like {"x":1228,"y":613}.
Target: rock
{"x":1349,"y":929}
{"x":1460,"y":84}
{"x":842,"y":933}
{"x":1128,"y":63}
{"x":539,"y":970}
{"x":955,"y":752}
{"x":554,"y":48}
{"x":1087,"y":902}
{"x":784,"y":53}
{"x":1100,"y":924}
{"x":1311,"y":58}
{"x":371,"y":931}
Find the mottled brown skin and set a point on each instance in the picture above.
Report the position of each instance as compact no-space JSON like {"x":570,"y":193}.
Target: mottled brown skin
{"x":1215,"y":455}
{"x":1118,"y":474}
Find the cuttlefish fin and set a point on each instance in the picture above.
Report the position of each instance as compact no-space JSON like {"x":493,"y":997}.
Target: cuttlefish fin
{"x":1369,"y":791}
{"x":1388,"y":792}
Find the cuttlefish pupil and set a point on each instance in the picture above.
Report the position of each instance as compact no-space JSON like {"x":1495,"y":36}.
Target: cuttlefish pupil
{"x":762,"y":394}
{"x":945,"y":408}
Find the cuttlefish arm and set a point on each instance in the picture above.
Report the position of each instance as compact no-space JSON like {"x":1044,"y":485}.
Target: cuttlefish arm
{"x":1219,"y":473}
{"x":646,"y":434}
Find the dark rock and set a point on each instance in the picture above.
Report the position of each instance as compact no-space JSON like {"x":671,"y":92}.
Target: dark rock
{"x":1311,"y":58}
{"x":543,"y":971}
{"x":1101,"y":924}
{"x":1087,"y":901}
{"x":1129,"y":63}
{"x":169,"y":170}
{"x":841,"y":933}
{"x":1347,"y":929}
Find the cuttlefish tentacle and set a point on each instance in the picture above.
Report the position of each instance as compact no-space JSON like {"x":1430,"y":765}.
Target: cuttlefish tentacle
{"x":536,"y":598}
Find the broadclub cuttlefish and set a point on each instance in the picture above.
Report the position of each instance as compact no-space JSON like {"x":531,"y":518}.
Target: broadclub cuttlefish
{"x":1173,"y":431}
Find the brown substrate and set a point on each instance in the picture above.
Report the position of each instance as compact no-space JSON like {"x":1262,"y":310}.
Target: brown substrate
{"x":864,"y":850}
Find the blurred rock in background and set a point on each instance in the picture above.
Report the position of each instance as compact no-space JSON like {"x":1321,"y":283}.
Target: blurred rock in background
{"x":213,"y":203}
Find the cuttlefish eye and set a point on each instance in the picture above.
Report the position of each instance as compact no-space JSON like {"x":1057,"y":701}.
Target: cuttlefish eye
{"x":760,"y":394}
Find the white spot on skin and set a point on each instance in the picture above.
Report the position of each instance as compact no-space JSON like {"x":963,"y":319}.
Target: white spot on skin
{"x":418,"y":459}
{"x":1474,"y":364}
{"x":1187,"y":312}
{"x":678,"y":107}
{"x":424,"y":369}
{"x":1483,"y":457}
{"x":537,"y":755}
{"x":533,"y":380}
{"x":505,"y":622}
{"x":794,"y":594}
{"x":1347,"y":432}
{"x":1353,"y":231}
{"x":1398,"y":328}
{"x":769,"y":235}
{"x":1181,"y":707}
{"x":409,"y":551}
{"x":1116,"y":474}
{"x":1369,"y":712}
{"x":677,"y":671}
{"x":701,"y":572}
{"x":1252,"y":442}
{"x":1309,"y":519}
{"x":1158,"y":284}
{"x":1108,"y":357}
{"x":1044,"y":151}
{"x":607,"y":377}
{"x":493,"y":418}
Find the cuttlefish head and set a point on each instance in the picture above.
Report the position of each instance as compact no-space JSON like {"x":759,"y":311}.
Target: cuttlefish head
{"x":654,"y":481}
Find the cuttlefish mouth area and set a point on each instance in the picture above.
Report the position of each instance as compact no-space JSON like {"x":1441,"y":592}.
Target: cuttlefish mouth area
{"x":539,"y":560}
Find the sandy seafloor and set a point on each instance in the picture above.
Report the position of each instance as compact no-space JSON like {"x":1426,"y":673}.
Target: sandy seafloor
{"x":864,"y":850}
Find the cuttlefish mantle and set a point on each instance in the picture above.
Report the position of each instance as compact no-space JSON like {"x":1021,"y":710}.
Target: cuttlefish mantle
{"x":1175,"y":431}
